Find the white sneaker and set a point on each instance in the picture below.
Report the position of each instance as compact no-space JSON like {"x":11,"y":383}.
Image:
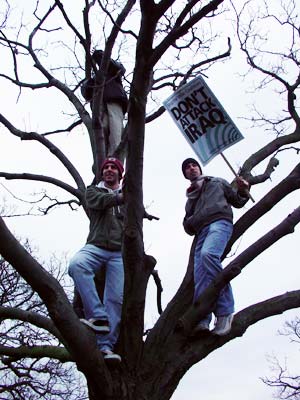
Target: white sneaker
{"x":111,"y":358}
{"x":97,"y":325}
{"x":223,"y":325}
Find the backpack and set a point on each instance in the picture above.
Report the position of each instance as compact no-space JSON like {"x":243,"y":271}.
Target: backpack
{"x":87,"y":88}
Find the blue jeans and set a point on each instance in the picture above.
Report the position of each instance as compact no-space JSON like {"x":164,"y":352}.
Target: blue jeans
{"x":210,"y":245}
{"x":83,"y":267}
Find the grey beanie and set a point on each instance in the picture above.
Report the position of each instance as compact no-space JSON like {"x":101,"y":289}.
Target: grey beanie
{"x":188,"y":161}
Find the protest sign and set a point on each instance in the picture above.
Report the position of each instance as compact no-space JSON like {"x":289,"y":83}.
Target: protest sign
{"x":202,"y":119}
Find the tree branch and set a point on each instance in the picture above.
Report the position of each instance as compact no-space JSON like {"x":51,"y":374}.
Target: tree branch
{"x":50,"y":146}
{"x":42,"y":178}
{"x":180,"y":30}
{"x":32,"y":317}
{"x":285,"y":187}
{"x":268,"y":150}
{"x":198,"y":349}
{"x":68,"y":129}
{"x":73,"y":28}
{"x":37,"y":352}
{"x":128,"y":6}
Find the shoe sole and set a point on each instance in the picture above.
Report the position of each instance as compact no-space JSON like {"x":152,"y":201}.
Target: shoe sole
{"x":201,"y":331}
{"x":94,"y":328}
{"x":196,"y":332}
{"x":112,"y":361}
{"x":220,"y":334}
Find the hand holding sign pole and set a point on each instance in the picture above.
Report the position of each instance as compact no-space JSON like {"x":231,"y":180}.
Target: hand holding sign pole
{"x":202,"y":120}
{"x":237,"y":176}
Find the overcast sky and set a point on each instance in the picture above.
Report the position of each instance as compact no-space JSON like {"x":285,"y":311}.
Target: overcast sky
{"x":234,"y":370}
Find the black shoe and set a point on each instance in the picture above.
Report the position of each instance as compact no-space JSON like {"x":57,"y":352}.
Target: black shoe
{"x":97,"y":325}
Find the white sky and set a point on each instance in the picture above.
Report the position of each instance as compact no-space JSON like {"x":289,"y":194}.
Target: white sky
{"x":233,"y":370}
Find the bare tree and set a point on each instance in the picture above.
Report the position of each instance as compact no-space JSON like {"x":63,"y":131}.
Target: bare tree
{"x":26,"y":329}
{"x":285,"y":383}
{"x":165,"y":34}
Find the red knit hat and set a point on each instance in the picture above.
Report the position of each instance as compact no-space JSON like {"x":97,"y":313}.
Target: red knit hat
{"x":117,"y":163}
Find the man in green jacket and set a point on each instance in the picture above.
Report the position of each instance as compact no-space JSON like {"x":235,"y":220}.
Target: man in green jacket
{"x":103,"y":249}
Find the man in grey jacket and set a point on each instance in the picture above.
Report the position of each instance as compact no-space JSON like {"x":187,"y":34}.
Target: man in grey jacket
{"x":209,"y":217}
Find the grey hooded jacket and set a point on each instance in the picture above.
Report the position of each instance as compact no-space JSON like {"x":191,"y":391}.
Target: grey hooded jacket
{"x":212,"y":204}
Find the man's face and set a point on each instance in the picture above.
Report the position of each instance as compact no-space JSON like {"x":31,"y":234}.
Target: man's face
{"x":192,"y":171}
{"x":110,"y":174}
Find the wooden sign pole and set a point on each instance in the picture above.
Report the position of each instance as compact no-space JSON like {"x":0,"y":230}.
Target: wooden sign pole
{"x":235,"y":174}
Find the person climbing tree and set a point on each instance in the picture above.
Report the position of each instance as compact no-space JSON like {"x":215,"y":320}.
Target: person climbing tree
{"x":103,"y":249}
{"x":115,"y":100}
{"x":209,"y":217}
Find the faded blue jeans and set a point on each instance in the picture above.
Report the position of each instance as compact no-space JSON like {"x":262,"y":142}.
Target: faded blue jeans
{"x":210,"y":245}
{"x":83,"y":267}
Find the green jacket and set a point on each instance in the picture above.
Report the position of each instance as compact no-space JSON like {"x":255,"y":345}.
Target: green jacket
{"x":106,"y":218}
